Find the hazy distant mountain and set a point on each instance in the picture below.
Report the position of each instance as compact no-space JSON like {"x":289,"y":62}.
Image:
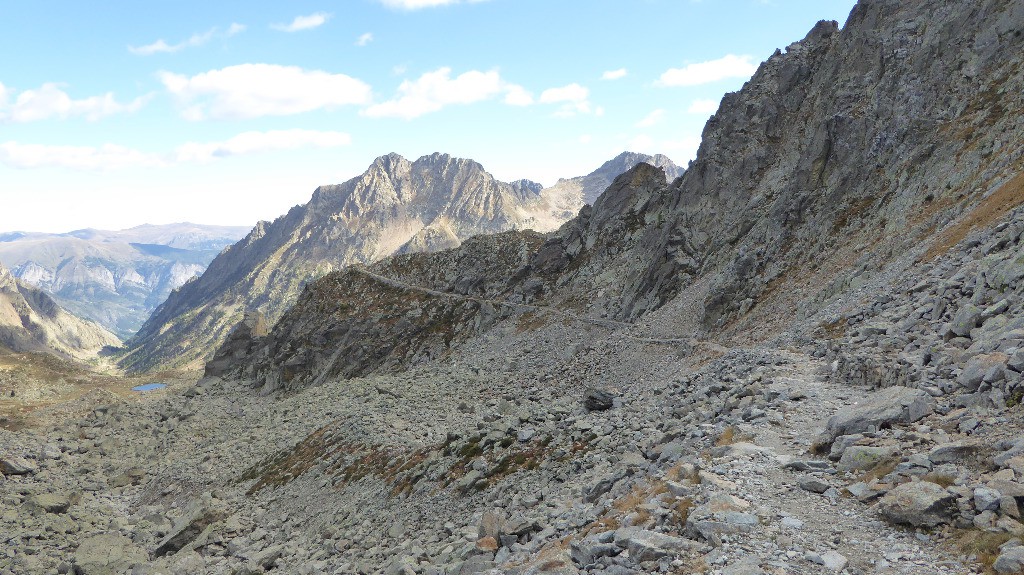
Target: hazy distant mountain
{"x":563,"y":201}
{"x":31,"y":321}
{"x":396,"y":206}
{"x":116,"y":278}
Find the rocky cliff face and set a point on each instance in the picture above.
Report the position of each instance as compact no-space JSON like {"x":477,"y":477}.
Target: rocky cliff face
{"x":31,"y":321}
{"x":396,"y":206}
{"x":115,"y":278}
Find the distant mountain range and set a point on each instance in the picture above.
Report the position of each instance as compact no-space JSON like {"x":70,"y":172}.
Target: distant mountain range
{"x":115,"y":278}
{"x":396,"y":206}
{"x":30,"y":321}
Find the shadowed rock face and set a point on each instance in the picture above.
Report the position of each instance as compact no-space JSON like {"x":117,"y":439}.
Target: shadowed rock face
{"x":31,"y":321}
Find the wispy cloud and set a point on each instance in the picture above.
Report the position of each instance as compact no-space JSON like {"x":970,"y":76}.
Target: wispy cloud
{"x":729,"y":66}
{"x":418,"y":4}
{"x":703,"y":107}
{"x":105,"y":157}
{"x":574,"y":99}
{"x":652,"y":119}
{"x":364,"y":39}
{"x":255,"y":90}
{"x":309,"y":22}
{"x":614,"y":74}
{"x":109,"y":157}
{"x":197,"y":39}
{"x":256,"y":142}
{"x":434,"y":90}
{"x":50,"y":101}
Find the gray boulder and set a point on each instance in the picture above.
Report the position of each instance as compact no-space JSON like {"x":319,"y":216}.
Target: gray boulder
{"x":886,"y":407}
{"x":107,"y":554}
{"x":918,"y":504}
{"x":644,"y":545}
{"x":864,"y":457}
{"x":1010,"y":561}
{"x":598,"y":400}
{"x":15,"y":465}
{"x":200,"y":515}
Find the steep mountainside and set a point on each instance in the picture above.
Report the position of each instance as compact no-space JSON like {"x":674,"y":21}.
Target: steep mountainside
{"x":841,"y":154}
{"x":115,"y":278}
{"x":31,"y":321}
{"x":396,"y":206}
{"x":563,"y":200}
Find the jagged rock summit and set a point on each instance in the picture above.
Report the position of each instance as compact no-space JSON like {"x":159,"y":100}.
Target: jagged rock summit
{"x":563,"y":201}
{"x":396,"y":206}
{"x":30,"y":321}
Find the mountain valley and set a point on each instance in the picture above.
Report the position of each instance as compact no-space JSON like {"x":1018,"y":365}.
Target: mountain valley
{"x":114,"y":278}
{"x":803,"y":354}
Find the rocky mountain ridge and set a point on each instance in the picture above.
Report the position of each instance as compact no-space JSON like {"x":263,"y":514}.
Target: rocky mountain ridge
{"x":30,"y":321}
{"x":115,"y":278}
{"x":561,"y":202}
{"x":395,"y":207}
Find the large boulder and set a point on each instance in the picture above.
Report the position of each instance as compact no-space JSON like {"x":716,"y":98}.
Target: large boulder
{"x":886,"y":407}
{"x":107,"y":554}
{"x":201,"y":514}
{"x":1010,"y":561}
{"x":15,"y":465}
{"x":918,"y":504}
{"x":645,"y":545}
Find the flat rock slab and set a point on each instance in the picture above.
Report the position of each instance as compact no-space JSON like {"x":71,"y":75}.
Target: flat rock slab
{"x":107,"y":554}
{"x":884,"y":408}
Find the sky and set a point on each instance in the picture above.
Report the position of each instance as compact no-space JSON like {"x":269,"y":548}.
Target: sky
{"x":120,"y":113}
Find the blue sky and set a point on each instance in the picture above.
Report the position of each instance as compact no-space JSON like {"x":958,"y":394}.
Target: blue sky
{"x":118,"y":113}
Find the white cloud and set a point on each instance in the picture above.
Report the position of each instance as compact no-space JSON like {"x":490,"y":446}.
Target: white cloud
{"x":652,"y":119}
{"x":50,"y":101}
{"x":197,"y":39}
{"x":614,"y":74}
{"x":114,"y":157}
{"x":254,"y":90}
{"x":364,"y":39}
{"x":418,"y":4}
{"x":573,"y":97}
{"x":435,"y":90}
{"x":256,"y":142}
{"x":314,"y":20}
{"x":585,"y":139}
{"x":105,"y":157}
{"x":703,"y":107}
{"x":518,"y":96}
{"x":729,"y":66}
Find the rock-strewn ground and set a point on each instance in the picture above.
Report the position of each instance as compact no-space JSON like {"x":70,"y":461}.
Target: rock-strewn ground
{"x":794,"y":457}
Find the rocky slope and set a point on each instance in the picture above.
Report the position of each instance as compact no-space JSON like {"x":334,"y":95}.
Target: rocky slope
{"x":30,"y":321}
{"x":115,"y":278}
{"x":804,"y":356}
